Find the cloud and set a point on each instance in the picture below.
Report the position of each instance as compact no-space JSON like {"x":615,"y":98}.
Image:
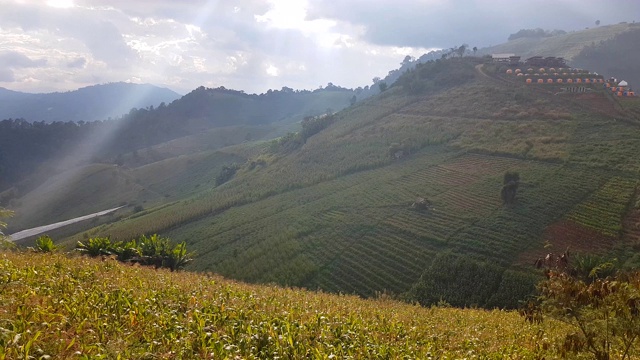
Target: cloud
{"x":6,"y":75}
{"x":438,"y":23}
{"x":254,"y":45}
{"x":14,"y":59}
{"x":77,"y":63}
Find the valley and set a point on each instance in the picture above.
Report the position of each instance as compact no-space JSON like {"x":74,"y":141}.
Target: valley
{"x":334,"y":212}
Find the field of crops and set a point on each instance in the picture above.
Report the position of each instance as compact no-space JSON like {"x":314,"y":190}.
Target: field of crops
{"x":334,"y":211}
{"x":52,"y":306}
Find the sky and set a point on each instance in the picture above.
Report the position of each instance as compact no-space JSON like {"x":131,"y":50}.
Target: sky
{"x":256,"y":45}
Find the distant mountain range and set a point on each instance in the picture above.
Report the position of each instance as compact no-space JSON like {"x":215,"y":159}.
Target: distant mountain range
{"x":91,"y":103}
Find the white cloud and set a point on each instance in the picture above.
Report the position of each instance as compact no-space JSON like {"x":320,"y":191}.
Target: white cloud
{"x":271,"y":70}
{"x":255,"y":45}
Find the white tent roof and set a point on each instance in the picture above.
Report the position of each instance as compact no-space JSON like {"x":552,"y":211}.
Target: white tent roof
{"x":623,"y":83}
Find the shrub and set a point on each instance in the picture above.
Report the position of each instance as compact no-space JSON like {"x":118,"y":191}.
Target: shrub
{"x":95,"y":246}
{"x":226,"y":173}
{"x":5,"y":243}
{"x":603,"y":306}
{"x":147,"y":250}
{"x":45,"y":244}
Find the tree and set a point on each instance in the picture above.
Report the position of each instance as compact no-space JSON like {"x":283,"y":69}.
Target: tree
{"x":601,"y":304}
{"x":383,"y":86}
{"x":461,"y":50}
{"x":597,"y":22}
{"x":510,"y":182}
{"x":407,"y":60}
{"x":353,"y":100}
{"x":475,"y":50}
{"x":5,"y":242}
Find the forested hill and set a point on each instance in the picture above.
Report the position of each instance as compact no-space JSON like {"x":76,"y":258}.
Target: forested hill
{"x":25,"y":145}
{"x":98,"y":102}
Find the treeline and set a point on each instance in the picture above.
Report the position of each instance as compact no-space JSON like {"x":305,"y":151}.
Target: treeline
{"x":438,"y":75}
{"x":24,"y":146}
{"x":535,"y":33}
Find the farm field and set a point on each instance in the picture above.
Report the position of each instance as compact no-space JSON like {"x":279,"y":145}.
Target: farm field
{"x":335,"y":212}
{"x":57,"y":306}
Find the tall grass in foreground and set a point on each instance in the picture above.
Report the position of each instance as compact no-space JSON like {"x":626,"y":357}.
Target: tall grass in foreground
{"x":53,"y":305}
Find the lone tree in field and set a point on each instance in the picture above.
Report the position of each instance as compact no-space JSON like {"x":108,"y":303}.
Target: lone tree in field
{"x":510,"y":187}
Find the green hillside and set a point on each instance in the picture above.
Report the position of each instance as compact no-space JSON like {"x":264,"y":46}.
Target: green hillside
{"x":332,"y":210}
{"x":567,"y":46}
{"x":52,"y":306}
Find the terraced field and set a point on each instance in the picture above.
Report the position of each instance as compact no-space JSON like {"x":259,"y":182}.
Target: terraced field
{"x":336,"y":212}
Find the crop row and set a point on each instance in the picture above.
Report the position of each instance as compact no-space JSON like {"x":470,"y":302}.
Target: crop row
{"x":434,"y":224}
{"x":605,"y":208}
{"x":440,"y":175}
{"x":483,"y":165}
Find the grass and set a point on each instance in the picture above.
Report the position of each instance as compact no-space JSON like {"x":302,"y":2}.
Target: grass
{"x":53,"y":306}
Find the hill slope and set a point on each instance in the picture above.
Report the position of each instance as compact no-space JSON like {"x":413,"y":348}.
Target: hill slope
{"x":616,"y":57}
{"x":26,"y":147}
{"x":567,"y":45}
{"x":332,"y":209}
{"x":137,"y":313}
{"x":91,"y":103}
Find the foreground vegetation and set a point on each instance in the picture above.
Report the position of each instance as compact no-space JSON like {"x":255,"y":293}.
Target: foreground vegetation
{"x":60,"y":307}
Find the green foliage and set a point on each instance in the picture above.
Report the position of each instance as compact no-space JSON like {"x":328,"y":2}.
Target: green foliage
{"x":226,"y":173}
{"x":535,"y":33}
{"x":4,"y":241}
{"x":458,"y":280}
{"x":605,"y":312}
{"x":45,"y":244}
{"x":95,"y":246}
{"x":312,"y":125}
{"x":438,"y":75}
{"x":147,"y":250}
{"x":62,"y":308}
{"x":126,"y":251}
{"x":604,"y":210}
{"x":511,"y":181}
{"x":287,"y":143}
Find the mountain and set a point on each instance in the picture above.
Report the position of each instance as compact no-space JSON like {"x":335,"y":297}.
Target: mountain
{"x":25,"y":146}
{"x":98,"y":102}
{"x":401,"y":193}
